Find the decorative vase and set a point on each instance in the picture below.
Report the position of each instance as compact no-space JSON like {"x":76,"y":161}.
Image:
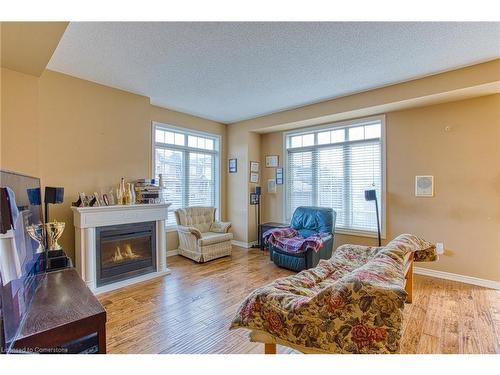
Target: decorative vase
{"x":119,"y":196}
{"x":121,"y":192}
{"x":128,"y":194}
{"x":111,"y":198}
{"x":133,"y":196}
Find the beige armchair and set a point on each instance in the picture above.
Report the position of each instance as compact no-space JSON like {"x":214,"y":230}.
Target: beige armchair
{"x":201,"y":238}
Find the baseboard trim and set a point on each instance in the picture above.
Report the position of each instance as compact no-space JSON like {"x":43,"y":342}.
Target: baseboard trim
{"x":245,"y":245}
{"x":456,"y":277}
{"x":171,"y":253}
{"x":129,"y":282}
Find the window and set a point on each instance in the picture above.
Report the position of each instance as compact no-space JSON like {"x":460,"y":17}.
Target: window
{"x":332,"y":166}
{"x":189,"y":164}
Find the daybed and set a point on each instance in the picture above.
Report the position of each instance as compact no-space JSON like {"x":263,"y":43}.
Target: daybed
{"x":351,"y":303}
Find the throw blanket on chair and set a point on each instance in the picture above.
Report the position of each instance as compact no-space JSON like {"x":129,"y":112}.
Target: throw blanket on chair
{"x":289,"y":240}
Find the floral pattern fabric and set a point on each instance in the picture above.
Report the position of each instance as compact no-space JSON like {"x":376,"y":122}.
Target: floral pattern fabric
{"x":289,"y":240}
{"x":351,"y":303}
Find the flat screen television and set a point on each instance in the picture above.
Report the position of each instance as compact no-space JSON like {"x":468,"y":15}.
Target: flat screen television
{"x":22,"y":264}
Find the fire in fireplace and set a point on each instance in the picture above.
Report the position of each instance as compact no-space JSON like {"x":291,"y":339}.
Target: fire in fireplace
{"x":125,"y":251}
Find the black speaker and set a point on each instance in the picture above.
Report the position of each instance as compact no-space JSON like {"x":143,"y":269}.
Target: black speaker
{"x":54,"y":195}
{"x":370,"y":195}
{"x":258,"y":190}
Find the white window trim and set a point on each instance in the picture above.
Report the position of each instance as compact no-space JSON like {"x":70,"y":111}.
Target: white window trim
{"x":218,"y":160}
{"x":342,"y":124}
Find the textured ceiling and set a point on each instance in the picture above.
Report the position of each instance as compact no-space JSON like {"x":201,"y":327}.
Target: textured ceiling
{"x":232,"y":71}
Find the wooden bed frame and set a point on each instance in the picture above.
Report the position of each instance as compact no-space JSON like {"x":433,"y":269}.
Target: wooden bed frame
{"x":270,"y":341}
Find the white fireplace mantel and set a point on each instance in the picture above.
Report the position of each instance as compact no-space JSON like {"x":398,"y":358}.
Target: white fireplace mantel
{"x":87,"y":219}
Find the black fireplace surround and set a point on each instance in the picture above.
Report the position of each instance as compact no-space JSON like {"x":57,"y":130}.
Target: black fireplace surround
{"x":125,"y":251}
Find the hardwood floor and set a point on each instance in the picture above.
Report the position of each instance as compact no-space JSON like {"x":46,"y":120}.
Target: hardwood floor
{"x":190,"y":310}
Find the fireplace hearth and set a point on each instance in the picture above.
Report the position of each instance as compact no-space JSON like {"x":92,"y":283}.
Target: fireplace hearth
{"x":125,"y":251}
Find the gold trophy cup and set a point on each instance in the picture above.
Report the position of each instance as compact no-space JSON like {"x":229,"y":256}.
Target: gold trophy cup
{"x":37,"y":233}
{"x":54,"y":231}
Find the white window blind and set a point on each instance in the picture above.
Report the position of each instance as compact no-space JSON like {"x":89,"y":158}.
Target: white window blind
{"x":189,"y":164}
{"x":332,"y":167}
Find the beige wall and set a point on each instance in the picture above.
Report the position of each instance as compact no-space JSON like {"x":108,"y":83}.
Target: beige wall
{"x":245,"y":147}
{"x":253,"y":155}
{"x":19,"y":119}
{"x":465,"y":212}
{"x":272,"y":144}
{"x":83,"y":136}
{"x":237,"y":198}
{"x":475,"y":80}
{"x":90,"y":135}
{"x":27,"y":47}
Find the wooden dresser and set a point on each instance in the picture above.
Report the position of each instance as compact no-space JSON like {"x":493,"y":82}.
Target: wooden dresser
{"x":64,"y":317}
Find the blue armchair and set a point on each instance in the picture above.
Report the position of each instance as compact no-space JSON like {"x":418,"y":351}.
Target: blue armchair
{"x":307,"y":221}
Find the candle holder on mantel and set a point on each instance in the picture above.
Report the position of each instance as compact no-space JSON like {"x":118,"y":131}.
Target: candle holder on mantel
{"x":124,"y":193}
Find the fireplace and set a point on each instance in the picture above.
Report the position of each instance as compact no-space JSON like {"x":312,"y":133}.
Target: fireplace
{"x":125,"y":251}
{"x":91,"y":225}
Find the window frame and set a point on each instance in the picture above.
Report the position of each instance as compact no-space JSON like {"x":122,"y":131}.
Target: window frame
{"x":335,"y":126}
{"x":216,"y":152}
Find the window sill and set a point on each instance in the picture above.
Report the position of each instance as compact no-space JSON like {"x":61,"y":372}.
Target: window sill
{"x":359,"y":233}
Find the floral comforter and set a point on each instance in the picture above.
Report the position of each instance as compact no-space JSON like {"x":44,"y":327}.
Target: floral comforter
{"x":351,"y":303}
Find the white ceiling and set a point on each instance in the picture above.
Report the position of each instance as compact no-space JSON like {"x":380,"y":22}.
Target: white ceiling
{"x":232,"y":71}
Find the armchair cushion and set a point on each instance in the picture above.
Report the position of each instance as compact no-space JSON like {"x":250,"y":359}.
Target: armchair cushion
{"x":313,"y":220}
{"x":220,"y":226}
{"x":210,"y":238}
{"x":191,"y":230}
{"x":200,"y":218}
{"x":304,"y":233}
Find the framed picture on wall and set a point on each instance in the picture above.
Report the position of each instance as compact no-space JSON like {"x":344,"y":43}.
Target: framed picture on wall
{"x":254,"y":177}
{"x":233,"y":165}
{"x":271,"y":186}
{"x":254,"y":166}
{"x":424,"y":186}
{"x":254,"y":199}
{"x":272,"y":161}
{"x":279,"y":176}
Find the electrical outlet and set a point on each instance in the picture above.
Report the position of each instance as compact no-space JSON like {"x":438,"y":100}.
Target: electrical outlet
{"x":440,"y":248}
